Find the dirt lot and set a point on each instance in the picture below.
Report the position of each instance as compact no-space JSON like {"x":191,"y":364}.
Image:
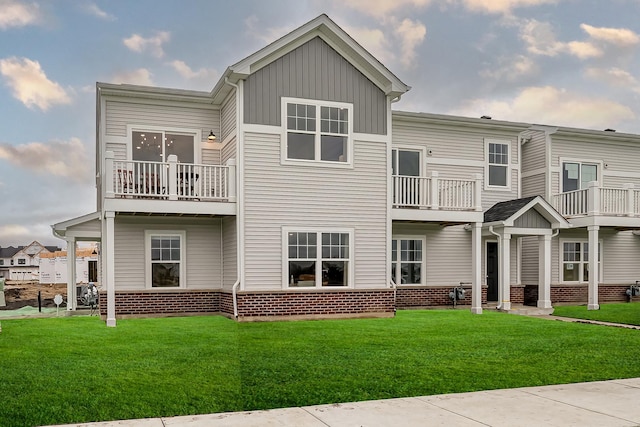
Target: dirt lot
{"x":19,"y":294}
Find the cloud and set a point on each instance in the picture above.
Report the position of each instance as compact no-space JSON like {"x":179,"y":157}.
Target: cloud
{"x":153,"y":45}
{"x":615,"y":77}
{"x":501,"y":6}
{"x":551,"y":106}
{"x":263,"y":33}
{"x":411,"y":34}
{"x":140,"y":76}
{"x":93,"y":9}
{"x":381,"y":8}
{"x":541,"y":40}
{"x":68,"y":159}
{"x":11,"y":232}
{"x":185,"y":71}
{"x":583,"y":50}
{"x":511,"y":69}
{"x":18,"y":14}
{"x":30,"y":84}
{"x":617,"y":36}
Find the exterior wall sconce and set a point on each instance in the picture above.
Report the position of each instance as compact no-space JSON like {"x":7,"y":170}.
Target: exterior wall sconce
{"x":211,"y":137}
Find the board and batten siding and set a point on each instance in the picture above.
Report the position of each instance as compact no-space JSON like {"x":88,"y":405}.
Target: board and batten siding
{"x":278,"y":196}
{"x":228,"y":116}
{"x":315,"y":71}
{"x":202,"y":256}
{"x":230,"y":254}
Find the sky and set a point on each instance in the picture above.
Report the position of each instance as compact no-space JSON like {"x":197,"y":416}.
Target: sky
{"x":557,"y":62}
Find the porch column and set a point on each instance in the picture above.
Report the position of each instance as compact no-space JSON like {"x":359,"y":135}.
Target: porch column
{"x":593,"y":268}
{"x":72,"y":302}
{"x":504,"y":278}
{"x":476,"y":266}
{"x":544,"y":271}
{"x":110,"y":268}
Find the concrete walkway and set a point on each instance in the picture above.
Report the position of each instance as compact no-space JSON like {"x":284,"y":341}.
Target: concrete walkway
{"x":601,"y":404}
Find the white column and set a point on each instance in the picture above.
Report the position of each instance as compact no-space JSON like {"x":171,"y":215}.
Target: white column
{"x":72,"y":302}
{"x":435,"y":193}
{"x":593,"y":268}
{"x":108,"y":174}
{"x":173,"y":176}
{"x":505,"y":272}
{"x":544,"y":271}
{"x":476,"y":267}
{"x":110,"y":268}
{"x":231,"y":182}
{"x":593,"y":201}
{"x":630,"y":211}
{"x":477,"y":196}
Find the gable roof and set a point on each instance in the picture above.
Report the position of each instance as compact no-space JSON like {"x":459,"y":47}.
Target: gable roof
{"x":10,"y":251}
{"x":505,"y":213}
{"x":334,"y":36}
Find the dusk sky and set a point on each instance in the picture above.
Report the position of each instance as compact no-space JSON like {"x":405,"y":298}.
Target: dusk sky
{"x":557,"y":62}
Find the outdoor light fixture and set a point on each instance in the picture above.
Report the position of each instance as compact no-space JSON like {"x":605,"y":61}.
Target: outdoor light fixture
{"x":211,"y":136}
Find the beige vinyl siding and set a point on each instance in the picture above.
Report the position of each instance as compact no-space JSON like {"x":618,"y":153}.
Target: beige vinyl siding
{"x":230,"y":254}
{"x":313,"y":196}
{"x":534,"y":152}
{"x":119,"y":150}
{"x":229,"y":150}
{"x":228,"y":116}
{"x":530,"y":264}
{"x":119,"y":114}
{"x":533,"y":185}
{"x":211,"y":156}
{"x":203,"y":250}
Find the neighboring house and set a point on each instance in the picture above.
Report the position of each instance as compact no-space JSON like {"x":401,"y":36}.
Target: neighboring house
{"x":292,"y":190}
{"x":23,"y":263}
{"x":53,"y":266}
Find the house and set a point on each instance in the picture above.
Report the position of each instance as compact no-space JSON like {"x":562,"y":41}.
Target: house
{"x":53,"y":266}
{"x":294,"y":190}
{"x":22,"y":263}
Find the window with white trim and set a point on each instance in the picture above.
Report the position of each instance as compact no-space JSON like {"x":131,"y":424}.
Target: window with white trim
{"x":317,"y":131}
{"x":497,"y":172}
{"x":318,"y":259}
{"x":576,"y":175}
{"x":1,"y":262}
{"x":165,"y":259}
{"x":408,"y":261}
{"x":575,"y":260}
{"x":22,"y":261}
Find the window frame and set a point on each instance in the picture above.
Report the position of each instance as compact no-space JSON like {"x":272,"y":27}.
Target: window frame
{"x":416,"y":148}
{"x":22,"y":261}
{"x":487,"y":164}
{"x":196,"y":133}
{"x":398,"y":262}
{"x":317,"y":161}
{"x":148,"y":235}
{"x":581,"y":263}
{"x":562,"y":160}
{"x":319,"y":258}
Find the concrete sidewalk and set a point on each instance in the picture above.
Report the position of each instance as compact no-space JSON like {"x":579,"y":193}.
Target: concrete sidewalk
{"x":601,"y":404}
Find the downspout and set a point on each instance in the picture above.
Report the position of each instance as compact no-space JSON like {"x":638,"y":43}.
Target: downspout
{"x":234,"y":292}
{"x":499,"y":307}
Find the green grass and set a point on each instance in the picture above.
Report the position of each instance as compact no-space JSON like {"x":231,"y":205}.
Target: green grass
{"x":70,"y":370}
{"x":627,"y":313}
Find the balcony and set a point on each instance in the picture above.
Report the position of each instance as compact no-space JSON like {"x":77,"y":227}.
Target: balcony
{"x":596,"y":205}
{"x":169,"y":187}
{"x":437,"y":199}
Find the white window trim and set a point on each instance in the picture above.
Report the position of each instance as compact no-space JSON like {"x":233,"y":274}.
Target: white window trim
{"x":197,"y":138}
{"x":423,"y":156}
{"x":561,"y":258}
{"x":563,"y":160}
{"x":423,"y":271}
{"x":319,"y":231}
{"x":284,"y":160}
{"x":508,"y":143}
{"x":147,"y":256}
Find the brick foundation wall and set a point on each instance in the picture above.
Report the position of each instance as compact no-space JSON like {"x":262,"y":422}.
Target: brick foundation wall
{"x":162,"y":302}
{"x":428,"y":296}
{"x":578,"y":293}
{"x":319,"y":303}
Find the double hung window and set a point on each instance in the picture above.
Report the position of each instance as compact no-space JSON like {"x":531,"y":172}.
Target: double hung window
{"x":497,"y":170}
{"x":317,"y":131}
{"x":165,"y":259}
{"x":318,"y":259}
{"x":575,"y":261}
{"x":407,"y":261}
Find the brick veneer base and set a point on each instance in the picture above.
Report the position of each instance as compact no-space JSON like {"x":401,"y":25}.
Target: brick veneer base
{"x":147,"y":303}
{"x":578,"y":293}
{"x":432,"y":296}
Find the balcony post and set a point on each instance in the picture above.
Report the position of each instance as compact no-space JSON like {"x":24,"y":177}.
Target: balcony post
{"x":477,"y":192}
{"x":593,"y":198}
{"x":108,"y":173}
{"x":630,"y":211}
{"x":173,"y":177}
{"x":435,"y":194}
{"x":231,"y":180}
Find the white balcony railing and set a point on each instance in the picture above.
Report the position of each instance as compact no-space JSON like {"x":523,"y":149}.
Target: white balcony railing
{"x":596,"y":200}
{"x":169,"y":180}
{"x":437,"y":193}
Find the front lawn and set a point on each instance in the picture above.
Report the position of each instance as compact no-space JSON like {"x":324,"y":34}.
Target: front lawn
{"x":69,"y":370}
{"x":627,"y":313}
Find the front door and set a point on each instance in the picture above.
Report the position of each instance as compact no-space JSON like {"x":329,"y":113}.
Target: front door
{"x":492,"y":271}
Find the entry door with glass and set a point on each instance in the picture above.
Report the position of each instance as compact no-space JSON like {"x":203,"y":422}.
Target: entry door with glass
{"x":408,"y":186}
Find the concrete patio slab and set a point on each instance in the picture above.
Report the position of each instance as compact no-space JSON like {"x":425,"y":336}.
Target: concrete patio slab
{"x":270,"y":418}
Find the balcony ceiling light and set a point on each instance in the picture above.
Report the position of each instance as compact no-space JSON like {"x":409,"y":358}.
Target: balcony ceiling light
{"x":211,"y":136}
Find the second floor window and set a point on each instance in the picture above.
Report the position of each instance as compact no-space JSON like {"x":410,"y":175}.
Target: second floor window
{"x":22,"y":261}
{"x":158,"y":146}
{"x":317,"y":131}
{"x":576,"y":175}
{"x":497,"y":164}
